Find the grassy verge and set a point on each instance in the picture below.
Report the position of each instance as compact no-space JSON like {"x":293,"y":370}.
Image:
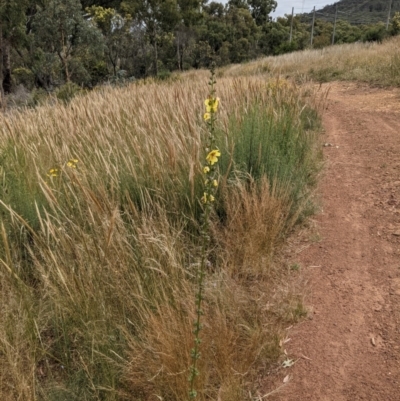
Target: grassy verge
{"x":99,"y":239}
{"x":373,"y":63}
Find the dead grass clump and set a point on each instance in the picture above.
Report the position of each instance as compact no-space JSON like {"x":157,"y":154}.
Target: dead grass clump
{"x":18,"y":352}
{"x":256,"y":216}
{"x":235,"y":344}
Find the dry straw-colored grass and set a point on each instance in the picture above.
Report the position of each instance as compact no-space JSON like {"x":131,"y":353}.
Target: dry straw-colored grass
{"x":97,"y":264}
{"x":375,"y":63}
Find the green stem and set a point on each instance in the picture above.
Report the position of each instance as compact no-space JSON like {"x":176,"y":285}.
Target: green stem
{"x":204,"y":232}
{"x":199,"y":298}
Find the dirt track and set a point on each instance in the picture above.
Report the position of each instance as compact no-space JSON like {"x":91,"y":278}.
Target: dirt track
{"x":349,"y":348}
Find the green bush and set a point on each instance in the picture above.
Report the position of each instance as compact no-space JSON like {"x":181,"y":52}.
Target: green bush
{"x":24,"y":76}
{"x":98,"y":73}
{"x":286,"y":47}
{"x":280,"y":146}
{"x":395,"y":26}
{"x":375,"y":34}
{"x":164,"y":75}
{"x":68,"y":91}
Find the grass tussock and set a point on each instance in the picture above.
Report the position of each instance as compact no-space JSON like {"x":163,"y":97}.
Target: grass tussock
{"x":256,"y":215}
{"x":374,"y":63}
{"x":99,"y":239}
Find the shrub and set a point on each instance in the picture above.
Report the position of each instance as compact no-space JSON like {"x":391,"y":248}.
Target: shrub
{"x":24,"y":76}
{"x":375,"y":34}
{"x":68,"y":91}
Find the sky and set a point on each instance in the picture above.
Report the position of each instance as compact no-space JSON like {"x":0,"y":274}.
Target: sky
{"x":285,"y":6}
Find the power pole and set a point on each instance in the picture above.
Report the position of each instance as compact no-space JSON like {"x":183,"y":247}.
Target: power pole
{"x":291,"y":26}
{"x":388,"y":18}
{"x":334,"y":26}
{"x":312,"y":27}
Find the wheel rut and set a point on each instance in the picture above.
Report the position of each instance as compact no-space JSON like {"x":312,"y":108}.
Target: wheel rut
{"x":349,"y":348}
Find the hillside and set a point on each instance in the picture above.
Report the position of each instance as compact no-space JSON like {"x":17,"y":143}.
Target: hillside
{"x":359,"y":11}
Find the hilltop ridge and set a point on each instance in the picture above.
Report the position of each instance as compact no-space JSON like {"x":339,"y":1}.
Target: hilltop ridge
{"x":359,"y":12}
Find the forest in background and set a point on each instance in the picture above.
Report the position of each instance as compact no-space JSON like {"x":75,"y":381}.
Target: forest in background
{"x":45,"y":44}
{"x":360,"y":12}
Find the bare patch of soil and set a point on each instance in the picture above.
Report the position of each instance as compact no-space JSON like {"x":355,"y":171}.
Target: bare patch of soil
{"x":349,"y":348}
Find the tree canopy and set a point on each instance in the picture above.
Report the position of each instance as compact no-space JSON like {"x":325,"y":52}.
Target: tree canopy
{"x":47,"y":43}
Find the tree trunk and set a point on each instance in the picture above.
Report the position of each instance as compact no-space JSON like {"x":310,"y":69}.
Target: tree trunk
{"x":64,"y":63}
{"x":113,"y":63}
{"x":155,"y":52}
{"x":64,"y":57}
{"x":178,"y":53}
{"x":7,"y":82}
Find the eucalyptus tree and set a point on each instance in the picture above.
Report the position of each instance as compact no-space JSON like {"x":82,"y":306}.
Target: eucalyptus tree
{"x":187,"y":30}
{"x":158,"y":17}
{"x":65,"y":42}
{"x":116,"y":31}
{"x":115,"y":4}
{"x":243,"y":34}
{"x":12,"y":27}
{"x":396,"y":23}
{"x":211,"y":35}
{"x":260,"y":10}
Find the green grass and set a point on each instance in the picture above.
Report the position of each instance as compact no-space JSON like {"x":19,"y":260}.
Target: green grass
{"x":277,"y":145}
{"x":97,"y":263}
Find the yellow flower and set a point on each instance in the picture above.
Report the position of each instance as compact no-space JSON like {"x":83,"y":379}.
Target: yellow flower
{"x":207,"y":198}
{"x":212,"y":104}
{"x":53,"y":172}
{"x":212,"y":157}
{"x":207,"y":116}
{"x":215,"y":183}
{"x":206,"y":169}
{"x":72,"y":163}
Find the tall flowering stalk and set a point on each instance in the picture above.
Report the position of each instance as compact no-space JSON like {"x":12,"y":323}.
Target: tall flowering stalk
{"x":210,"y":179}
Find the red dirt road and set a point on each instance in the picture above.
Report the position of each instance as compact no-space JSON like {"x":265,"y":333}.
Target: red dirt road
{"x":349,"y":348}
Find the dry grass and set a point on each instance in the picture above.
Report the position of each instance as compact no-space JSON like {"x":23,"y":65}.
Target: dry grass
{"x":97,"y":263}
{"x":256,"y":217}
{"x":374,"y":63}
